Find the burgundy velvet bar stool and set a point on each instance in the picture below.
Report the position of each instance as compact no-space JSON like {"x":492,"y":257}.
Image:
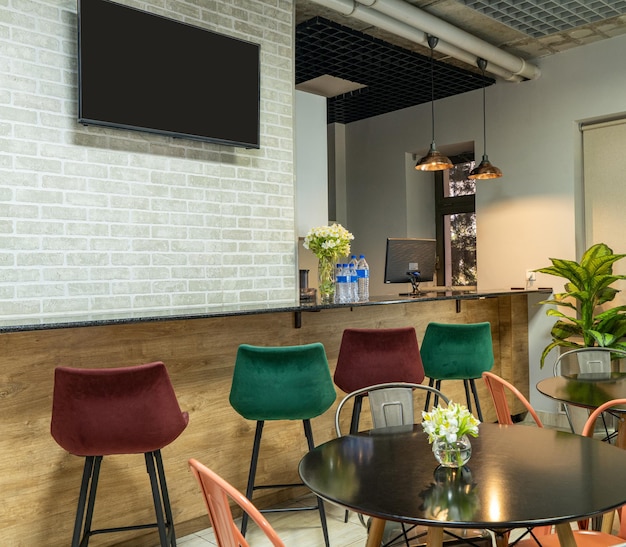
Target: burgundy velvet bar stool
{"x":126,"y":410}
{"x":376,"y":356}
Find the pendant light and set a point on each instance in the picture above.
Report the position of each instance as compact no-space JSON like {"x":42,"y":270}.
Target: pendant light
{"x":434,"y":160}
{"x":484,"y":170}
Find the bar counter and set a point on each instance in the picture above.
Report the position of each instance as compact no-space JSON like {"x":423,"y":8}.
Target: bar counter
{"x":40,"y":481}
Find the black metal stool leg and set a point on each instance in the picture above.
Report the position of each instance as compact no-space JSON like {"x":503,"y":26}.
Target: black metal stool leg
{"x":431,"y":383}
{"x":468,"y":399}
{"x":156,"y":497}
{"x":308,"y":432}
{"x":356,"y":413}
{"x":91,"y":502}
{"x":88,"y":488}
{"x":438,"y":388}
{"x":475,"y":392}
{"x":167,"y":506}
{"x":252,"y":473}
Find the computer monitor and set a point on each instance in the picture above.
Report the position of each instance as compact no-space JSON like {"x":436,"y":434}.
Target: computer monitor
{"x":410,"y":260}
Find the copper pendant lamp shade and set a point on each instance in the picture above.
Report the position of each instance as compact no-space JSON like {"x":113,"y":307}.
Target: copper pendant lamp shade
{"x":434,"y":160}
{"x":484,"y":170}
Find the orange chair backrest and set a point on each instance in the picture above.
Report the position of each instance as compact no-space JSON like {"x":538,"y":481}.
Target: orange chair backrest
{"x":588,"y":430}
{"x":497,"y":388}
{"x":217,"y":492}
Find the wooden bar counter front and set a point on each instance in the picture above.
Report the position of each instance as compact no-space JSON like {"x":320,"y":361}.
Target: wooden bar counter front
{"x":40,"y":482}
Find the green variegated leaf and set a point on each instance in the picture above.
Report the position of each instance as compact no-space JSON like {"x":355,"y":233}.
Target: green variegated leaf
{"x":557,"y":313}
{"x":555,"y":344}
{"x":602,"y":339}
{"x":564,"y":329}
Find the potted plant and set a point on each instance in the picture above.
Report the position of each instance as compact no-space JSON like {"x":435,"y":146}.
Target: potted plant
{"x":587,"y":290}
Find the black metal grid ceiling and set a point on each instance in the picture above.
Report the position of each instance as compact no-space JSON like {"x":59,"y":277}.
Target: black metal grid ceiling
{"x":394,"y":77}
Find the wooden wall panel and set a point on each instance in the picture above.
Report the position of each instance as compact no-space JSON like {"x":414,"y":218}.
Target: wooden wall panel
{"x":40,"y":481}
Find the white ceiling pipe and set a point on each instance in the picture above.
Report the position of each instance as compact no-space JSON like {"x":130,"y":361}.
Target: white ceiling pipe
{"x":358,"y":11}
{"x":403,"y":30}
{"x":401,"y":11}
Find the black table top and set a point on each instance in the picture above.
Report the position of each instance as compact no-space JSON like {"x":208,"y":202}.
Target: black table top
{"x":517,"y":476}
{"x":585,"y":393}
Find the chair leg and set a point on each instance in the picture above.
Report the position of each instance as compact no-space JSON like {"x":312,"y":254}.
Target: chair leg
{"x":475,"y":392}
{"x":431,"y":383}
{"x":167,"y":506}
{"x":356,"y":413}
{"x":354,"y":427}
{"x":438,"y":388}
{"x":308,"y":432}
{"x":468,"y":399}
{"x":252,"y":473}
{"x":87,"y":496}
{"x":160,"y":497}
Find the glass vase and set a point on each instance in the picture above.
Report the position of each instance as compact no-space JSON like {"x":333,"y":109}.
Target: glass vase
{"x":455,"y":454}
{"x":326,"y":279}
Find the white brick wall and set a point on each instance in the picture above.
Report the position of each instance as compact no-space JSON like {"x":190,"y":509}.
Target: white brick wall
{"x":98,"y":222}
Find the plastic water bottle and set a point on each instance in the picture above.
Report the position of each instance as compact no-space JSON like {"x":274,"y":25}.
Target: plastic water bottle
{"x":363,"y":274}
{"x":341,"y":284}
{"x":353,"y":283}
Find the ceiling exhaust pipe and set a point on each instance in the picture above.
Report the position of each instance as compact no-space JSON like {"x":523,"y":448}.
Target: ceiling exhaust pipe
{"x":407,"y":21}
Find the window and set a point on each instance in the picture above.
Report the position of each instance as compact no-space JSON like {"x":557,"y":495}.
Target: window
{"x":455,"y":215}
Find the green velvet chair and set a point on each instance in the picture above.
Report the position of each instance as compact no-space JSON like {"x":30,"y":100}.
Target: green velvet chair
{"x":452,"y":351}
{"x":281,"y":383}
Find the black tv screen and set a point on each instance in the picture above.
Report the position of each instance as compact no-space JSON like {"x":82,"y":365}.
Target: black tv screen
{"x":145,"y":72}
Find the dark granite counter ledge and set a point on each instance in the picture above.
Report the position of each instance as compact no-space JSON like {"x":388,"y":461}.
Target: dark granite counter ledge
{"x":240,"y":310}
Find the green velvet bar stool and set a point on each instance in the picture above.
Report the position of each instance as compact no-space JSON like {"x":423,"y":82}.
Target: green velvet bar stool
{"x":452,"y":351}
{"x":281,"y":383}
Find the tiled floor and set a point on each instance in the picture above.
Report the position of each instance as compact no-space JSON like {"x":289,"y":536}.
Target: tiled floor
{"x":303,"y":529}
{"x":296,"y":529}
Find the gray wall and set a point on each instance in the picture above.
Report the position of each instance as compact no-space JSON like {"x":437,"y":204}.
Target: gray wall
{"x":533,"y":211}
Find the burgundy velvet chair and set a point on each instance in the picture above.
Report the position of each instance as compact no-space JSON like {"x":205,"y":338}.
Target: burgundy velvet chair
{"x":376,"y":356}
{"x":127,"y":410}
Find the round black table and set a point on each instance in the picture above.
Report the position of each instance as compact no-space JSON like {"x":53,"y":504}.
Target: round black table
{"x":518,"y":476}
{"x":582,"y":392}
{"x":588,"y":394}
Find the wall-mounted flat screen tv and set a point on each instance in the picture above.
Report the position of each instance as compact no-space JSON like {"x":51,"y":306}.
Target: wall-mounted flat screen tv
{"x":146,"y":72}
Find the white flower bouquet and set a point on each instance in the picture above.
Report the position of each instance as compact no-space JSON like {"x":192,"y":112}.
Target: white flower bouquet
{"x":449,"y":423}
{"x":328,"y":241}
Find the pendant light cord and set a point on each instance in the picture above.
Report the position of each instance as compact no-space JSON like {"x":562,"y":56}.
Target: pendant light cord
{"x":432,"y":44}
{"x":482,"y":64}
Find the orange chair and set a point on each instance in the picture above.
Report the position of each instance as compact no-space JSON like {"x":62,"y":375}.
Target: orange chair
{"x":216,"y":492}
{"x":589,"y":538}
{"x":497,"y":388}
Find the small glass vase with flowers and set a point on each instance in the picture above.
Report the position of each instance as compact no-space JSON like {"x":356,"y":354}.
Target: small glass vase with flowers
{"x":328,"y":243}
{"x":448,"y":429}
